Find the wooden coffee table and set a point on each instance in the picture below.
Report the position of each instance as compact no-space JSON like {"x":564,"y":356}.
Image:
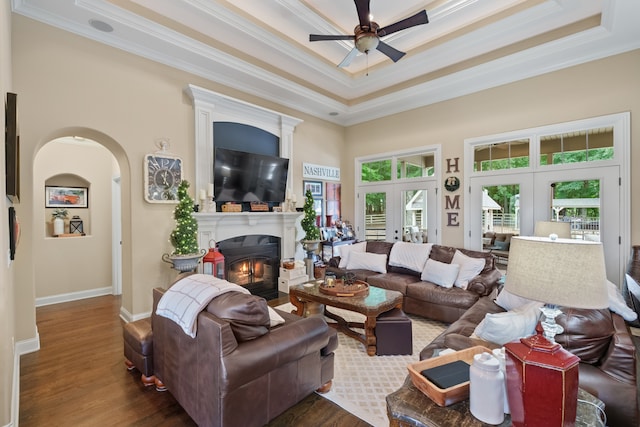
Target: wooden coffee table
{"x":309,"y":301}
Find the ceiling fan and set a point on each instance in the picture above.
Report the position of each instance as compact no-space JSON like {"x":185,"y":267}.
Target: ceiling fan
{"x":367,"y":34}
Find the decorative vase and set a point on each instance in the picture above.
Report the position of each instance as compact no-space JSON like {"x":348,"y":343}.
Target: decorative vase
{"x":58,"y":226}
{"x":310,"y":247}
{"x":184,"y":263}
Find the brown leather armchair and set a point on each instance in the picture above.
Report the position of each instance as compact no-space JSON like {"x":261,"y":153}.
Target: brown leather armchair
{"x":237,"y":372}
{"x":601,"y":340}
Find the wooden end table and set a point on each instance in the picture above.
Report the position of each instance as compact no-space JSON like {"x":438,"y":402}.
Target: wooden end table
{"x":409,"y":407}
{"x":309,"y":301}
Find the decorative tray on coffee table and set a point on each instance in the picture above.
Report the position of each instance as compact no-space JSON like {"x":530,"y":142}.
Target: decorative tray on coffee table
{"x":344,"y":289}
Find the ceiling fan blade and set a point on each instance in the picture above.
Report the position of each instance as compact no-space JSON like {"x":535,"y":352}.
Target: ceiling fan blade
{"x":391,"y":52}
{"x":347,"y":59}
{"x":363,"y":12}
{"x":323,"y":37}
{"x":417,"y":19}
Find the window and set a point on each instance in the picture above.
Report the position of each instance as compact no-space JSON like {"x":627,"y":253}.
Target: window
{"x":501,"y":155}
{"x":376,"y":171}
{"x":415,"y":166}
{"x":577,"y":147}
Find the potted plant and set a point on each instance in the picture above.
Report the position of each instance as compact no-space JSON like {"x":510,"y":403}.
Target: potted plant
{"x":312,"y":233}
{"x":58,"y":216}
{"x":184,"y":238}
{"x":311,"y":240}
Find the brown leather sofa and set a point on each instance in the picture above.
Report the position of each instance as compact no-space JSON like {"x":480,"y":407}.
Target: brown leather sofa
{"x":425,"y":298}
{"x":237,"y":371}
{"x":599,"y":337}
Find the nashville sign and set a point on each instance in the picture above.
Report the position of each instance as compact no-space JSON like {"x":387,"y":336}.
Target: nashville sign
{"x":325,"y":173}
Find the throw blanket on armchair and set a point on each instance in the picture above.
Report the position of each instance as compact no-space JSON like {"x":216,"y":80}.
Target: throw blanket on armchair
{"x":187,"y":297}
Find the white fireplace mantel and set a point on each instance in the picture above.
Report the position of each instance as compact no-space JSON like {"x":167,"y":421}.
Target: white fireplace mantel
{"x":220,"y":226}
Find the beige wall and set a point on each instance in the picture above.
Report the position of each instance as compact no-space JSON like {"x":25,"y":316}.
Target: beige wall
{"x":7,"y":282}
{"x":73,"y":264}
{"x":602,"y":87}
{"x":124,"y":103}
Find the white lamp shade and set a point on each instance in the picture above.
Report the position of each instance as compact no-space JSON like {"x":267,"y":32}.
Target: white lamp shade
{"x":546,"y":228}
{"x":564,"y":272}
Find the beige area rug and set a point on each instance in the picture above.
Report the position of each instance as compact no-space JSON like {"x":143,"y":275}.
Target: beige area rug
{"x":361,"y":383}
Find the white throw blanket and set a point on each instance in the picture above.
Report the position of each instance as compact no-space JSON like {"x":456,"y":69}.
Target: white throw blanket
{"x":187,"y":297}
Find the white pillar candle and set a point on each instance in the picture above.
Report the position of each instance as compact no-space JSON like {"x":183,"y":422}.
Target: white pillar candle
{"x":203,"y":194}
{"x":210,"y":187}
{"x":293,"y":198}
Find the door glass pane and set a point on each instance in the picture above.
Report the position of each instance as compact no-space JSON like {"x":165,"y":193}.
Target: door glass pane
{"x":377,"y":171}
{"x":575,"y":147}
{"x":415,"y":166}
{"x":501,"y":208}
{"x":414,"y":216}
{"x":579,"y":203}
{"x":501,"y":155}
{"x":375,"y":224}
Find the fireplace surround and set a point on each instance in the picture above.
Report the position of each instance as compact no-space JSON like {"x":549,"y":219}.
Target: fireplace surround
{"x":215,"y":227}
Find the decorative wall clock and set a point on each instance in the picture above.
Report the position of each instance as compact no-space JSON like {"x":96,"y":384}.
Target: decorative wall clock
{"x":162,"y":176}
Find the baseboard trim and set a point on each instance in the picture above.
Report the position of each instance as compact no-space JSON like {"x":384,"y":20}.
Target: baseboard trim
{"x":74,"y":296}
{"x":21,"y":347}
{"x":128,"y":317}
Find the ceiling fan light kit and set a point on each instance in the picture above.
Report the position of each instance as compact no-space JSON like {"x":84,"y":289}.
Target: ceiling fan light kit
{"x":367,"y":35}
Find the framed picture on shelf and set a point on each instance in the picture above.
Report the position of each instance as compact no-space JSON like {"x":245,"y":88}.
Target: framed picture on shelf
{"x":314,"y":186}
{"x":66,"y":197}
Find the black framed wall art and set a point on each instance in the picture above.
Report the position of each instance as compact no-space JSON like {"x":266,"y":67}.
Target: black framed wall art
{"x":12,"y":148}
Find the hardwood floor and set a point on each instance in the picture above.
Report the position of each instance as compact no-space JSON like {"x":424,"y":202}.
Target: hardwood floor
{"x":78,"y":378}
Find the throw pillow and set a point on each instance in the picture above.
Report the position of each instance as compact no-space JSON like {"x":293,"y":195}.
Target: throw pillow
{"x":274,"y":318}
{"x":367,"y":261}
{"x":633,"y":286}
{"x":469,"y":268}
{"x":347,"y":249}
{"x":440,"y":273}
{"x":509,"y":301}
{"x":410,"y":255}
{"x":247,"y":315}
{"x":501,"y":328}
{"x":617,"y":303}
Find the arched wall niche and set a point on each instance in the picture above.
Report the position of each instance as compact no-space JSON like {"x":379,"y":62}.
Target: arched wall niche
{"x":68,"y":180}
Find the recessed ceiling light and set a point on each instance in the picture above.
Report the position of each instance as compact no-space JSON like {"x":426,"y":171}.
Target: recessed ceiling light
{"x":333,"y":113}
{"x":100,"y":25}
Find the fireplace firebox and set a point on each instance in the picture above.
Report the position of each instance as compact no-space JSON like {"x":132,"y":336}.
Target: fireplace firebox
{"x":252,"y":261}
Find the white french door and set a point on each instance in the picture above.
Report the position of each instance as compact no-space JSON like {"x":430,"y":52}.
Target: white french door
{"x":536,"y":203}
{"x":394,"y":209}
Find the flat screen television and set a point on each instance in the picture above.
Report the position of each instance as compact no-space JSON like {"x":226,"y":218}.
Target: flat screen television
{"x":239,"y":176}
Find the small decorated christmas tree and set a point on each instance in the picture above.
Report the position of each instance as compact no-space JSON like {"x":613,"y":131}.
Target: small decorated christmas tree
{"x":309,"y":220}
{"x":184,"y":237}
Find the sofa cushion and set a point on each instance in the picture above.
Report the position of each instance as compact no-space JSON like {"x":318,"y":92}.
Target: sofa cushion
{"x":345,"y":250}
{"x":501,"y":328}
{"x":435,"y":294}
{"x":469,"y":268}
{"x":392,"y":281}
{"x":411,"y":256}
{"x":367,"y":261}
{"x":247,"y":314}
{"x":587,"y":333}
{"x":440,"y":273}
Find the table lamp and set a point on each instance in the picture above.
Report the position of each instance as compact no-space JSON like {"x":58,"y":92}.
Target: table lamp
{"x":547,"y":228}
{"x":542,"y":377}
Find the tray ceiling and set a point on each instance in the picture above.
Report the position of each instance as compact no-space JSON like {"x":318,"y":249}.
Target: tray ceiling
{"x":263,"y":48}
